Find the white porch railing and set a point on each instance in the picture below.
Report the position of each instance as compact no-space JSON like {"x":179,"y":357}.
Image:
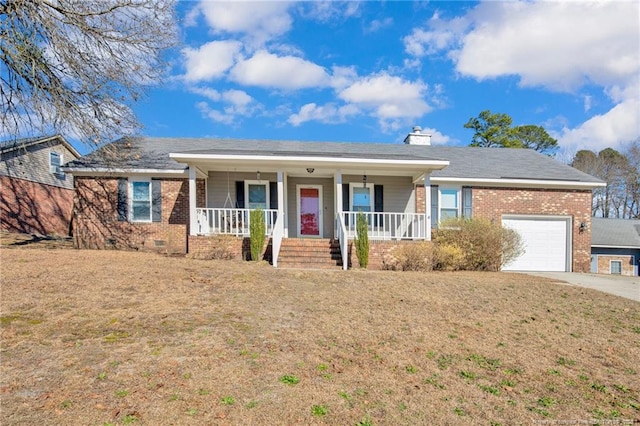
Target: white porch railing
{"x":230,"y":221}
{"x":388,"y":226}
{"x":276,"y":239}
{"x":344,"y":241}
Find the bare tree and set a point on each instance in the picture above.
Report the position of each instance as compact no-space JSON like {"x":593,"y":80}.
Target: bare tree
{"x":77,"y":66}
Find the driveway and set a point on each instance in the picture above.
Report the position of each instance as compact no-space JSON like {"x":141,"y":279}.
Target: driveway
{"x":618,"y":285}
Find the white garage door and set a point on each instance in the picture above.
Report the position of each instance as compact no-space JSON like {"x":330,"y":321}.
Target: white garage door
{"x":545,"y":243}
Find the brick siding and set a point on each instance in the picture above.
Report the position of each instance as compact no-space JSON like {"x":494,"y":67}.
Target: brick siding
{"x":493,"y":202}
{"x":35,"y":208}
{"x":97,"y":224}
{"x":379,"y":252}
{"x":604,"y":263}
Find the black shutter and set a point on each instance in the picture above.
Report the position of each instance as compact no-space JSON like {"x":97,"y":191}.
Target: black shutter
{"x":434,"y":206}
{"x":240,"y":194}
{"x":378,"y":204}
{"x":345,"y":200}
{"x":273,"y":195}
{"x":156,"y":200}
{"x":467,"y":208}
{"x":122,"y":206}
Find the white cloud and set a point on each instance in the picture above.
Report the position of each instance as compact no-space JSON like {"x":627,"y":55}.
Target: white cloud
{"x":559,"y":45}
{"x":207,"y":92}
{"x":437,"y":138}
{"x":211,"y":60}
{"x":377,"y":24}
{"x":328,"y":113}
{"x":390,"y":96}
{"x":265,"y":69}
{"x":330,"y":10}
{"x":260,"y":21}
{"x":235,"y":104}
{"x":612,"y":129}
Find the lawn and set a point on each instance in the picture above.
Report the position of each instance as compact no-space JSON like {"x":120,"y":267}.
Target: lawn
{"x":112,"y":337}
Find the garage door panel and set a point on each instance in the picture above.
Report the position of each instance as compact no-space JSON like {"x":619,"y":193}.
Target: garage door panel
{"x":545,"y":244}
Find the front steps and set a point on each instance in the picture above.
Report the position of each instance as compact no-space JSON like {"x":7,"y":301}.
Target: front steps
{"x":310,"y":253}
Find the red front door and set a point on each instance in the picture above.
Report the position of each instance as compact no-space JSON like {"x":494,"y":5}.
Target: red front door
{"x":310,"y":211}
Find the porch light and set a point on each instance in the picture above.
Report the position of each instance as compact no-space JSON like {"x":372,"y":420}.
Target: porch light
{"x":583,"y":227}
{"x":258,"y":175}
{"x":310,"y":170}
{"x":364,"y":180}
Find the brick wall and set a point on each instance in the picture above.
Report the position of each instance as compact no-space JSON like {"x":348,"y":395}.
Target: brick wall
{"x":604,"y":263}
{"x":34,"y":208}
{"x":97,"y":224}
{"x":378,"y":252}
{"x":491,"y":203}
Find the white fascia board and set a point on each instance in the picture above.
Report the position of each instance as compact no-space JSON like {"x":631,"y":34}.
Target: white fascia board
{"x":519,"y":183}
{"x":613,"y":247}
{"x":310,"y":160}
{"x":125,"y":172}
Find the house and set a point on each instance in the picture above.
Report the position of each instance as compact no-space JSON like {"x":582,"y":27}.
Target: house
{"x":36,"y":196}
{"x":615,"y":246}
{"x":177,"y":195}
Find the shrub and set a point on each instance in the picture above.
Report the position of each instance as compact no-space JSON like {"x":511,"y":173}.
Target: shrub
{"x":485,"y":246}
{"x":410,"y":257}
{"x":257,"y":230}
{"x":447,"y":257}
{"x":362,"y":240}
{"x":222,"y":248}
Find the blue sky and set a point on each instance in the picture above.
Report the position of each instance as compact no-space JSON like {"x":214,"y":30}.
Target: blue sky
{"x":370,"y":71}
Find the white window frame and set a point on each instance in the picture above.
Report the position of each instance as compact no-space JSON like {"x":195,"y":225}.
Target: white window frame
{"x":370,"y":186}
{"x":131,"y":200}
{"x":611,"y":262}
{"x":264,"y":183}
{"x":55,"y":168}
{"x":458,"y":190}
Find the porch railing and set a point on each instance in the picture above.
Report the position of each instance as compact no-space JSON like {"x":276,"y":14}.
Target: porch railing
{"x":276,"y":239}
{"x":341,"y":233}
{"x":388,"y":226}
{"x":231,"y":221}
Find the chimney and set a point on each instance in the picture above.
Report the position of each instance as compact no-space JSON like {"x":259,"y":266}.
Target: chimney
{"x":416,"y":137}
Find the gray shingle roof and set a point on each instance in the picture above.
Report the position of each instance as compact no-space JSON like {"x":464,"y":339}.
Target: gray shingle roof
{"x":615,"y":232}
{"x":465,"y":162}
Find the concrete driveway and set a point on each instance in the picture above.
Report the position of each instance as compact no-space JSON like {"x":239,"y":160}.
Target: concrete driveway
{"x":618,"y":285}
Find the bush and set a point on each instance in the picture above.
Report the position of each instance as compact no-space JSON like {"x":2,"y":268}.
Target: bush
{"x":410,"y":257}
{"x":485,"y":246}
{"x":448,"y":257}
{"x":222,"y":248}
{"x":362,"y":240}
{"x":257,"y":231}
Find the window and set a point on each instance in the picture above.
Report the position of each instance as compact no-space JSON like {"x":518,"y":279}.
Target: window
{"x":257,"y":194}
{"x":361,"y":199}
{"x":55,"y":162}
{"x":616,"y":267}
{"x":448,"y":204}
{"x":140,"y":201}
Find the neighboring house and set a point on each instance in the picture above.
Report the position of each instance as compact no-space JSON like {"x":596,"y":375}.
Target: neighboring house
{"x":36,"y":195}
{"x":615,"y":246}
{"x":175,"y":195}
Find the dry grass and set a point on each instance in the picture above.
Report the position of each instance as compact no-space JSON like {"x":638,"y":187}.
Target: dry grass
{"x":110,"y":337}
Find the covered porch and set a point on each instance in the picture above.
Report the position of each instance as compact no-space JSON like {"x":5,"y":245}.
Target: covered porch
{"x":314,"y":198}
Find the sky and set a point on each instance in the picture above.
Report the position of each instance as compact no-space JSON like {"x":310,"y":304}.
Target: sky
{"x":370,"y":71}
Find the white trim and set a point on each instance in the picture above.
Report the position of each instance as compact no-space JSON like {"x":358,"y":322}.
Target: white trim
{"x":615,"y":247}
{"x":458,"y":190}
{"x":130,"y":199}
{"x":128,"y":172}
{"x":618,"y":261}
{"x":320,"y":210}
{"x":439,"y":164}
{"x":262,"y":182}
{"x":517,"y":183}
{"x":370,"y":186}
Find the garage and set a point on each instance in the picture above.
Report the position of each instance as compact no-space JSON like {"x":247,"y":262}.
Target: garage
{"x":546,"y":240}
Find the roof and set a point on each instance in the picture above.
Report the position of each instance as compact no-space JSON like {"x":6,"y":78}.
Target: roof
{"x":615,"y":233}
{"x":14,"y":144}
{"x":465,"y":162}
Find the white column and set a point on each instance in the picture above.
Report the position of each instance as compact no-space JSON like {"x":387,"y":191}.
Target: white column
{"x":285,"y":203}
{"x":427,"y":206}
{"x":193,"y":222}
{"x":280,"y":185}
{"x":337,"y":177}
